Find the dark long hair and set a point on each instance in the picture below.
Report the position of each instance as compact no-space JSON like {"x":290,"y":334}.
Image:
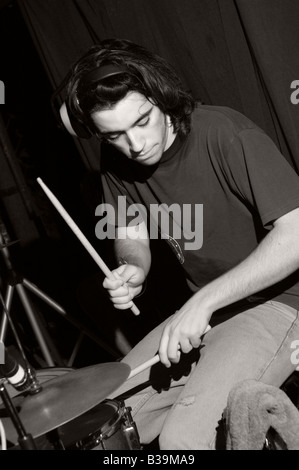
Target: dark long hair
{"x":139,"y":71}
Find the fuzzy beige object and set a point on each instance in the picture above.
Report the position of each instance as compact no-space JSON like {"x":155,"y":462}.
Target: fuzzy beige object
{"x":254,"y":409}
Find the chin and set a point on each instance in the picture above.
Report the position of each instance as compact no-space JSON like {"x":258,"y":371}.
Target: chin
{"x":152,"y":160}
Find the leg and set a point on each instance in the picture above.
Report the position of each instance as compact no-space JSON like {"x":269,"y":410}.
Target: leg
{"x":149,"y":393}
{"x":252,"y":344}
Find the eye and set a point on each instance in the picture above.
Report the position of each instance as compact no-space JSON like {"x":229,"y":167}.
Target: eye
{"x":144,"y":122}
{"x":112,"y":137}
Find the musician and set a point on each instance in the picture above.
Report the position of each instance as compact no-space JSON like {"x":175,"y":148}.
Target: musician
{"x":241,"y":263}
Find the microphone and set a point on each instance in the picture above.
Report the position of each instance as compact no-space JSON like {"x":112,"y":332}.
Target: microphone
{"x":21,"y":378}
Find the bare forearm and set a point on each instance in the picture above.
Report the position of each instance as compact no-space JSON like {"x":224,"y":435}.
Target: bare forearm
{"x":275,"y":258}
{"x":134,"y":252}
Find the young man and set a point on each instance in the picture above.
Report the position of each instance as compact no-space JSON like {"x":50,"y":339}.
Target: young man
{"x":241,"y":261}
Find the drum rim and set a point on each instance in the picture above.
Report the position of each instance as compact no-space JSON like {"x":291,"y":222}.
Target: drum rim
{"x":105,"y":431}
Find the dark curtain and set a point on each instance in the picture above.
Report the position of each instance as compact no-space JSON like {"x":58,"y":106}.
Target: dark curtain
{"x":235,"y":53}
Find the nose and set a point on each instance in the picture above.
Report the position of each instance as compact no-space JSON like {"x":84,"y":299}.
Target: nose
{"x":136,"y":141}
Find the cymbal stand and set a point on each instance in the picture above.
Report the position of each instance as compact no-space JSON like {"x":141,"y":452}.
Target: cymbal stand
{"x":25,"y":440}
{"x":16,"y":282}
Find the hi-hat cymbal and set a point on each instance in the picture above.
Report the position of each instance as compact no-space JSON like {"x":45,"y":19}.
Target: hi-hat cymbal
{"x":64,"y":398}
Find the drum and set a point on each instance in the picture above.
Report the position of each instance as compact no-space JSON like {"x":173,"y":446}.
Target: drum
{"x":108,"y":426}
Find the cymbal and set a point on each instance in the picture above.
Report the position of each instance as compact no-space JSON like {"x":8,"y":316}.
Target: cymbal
{"x":64,"y":398}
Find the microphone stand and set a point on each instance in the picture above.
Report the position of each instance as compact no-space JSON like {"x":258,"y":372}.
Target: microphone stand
{"x":34,"y":384}
{"x":25,"y":440}
{"x":15,"y":282}
{"x":18,"y":284}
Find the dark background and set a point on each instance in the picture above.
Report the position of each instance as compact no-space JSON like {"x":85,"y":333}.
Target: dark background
{"x":44,"y":250}
{"x":238,"y":53}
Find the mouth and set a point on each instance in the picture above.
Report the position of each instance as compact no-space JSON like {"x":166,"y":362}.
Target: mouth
{"x":145,"y":155}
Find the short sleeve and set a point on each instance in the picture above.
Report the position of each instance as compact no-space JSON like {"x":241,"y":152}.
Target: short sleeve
{"x":259,"y":174}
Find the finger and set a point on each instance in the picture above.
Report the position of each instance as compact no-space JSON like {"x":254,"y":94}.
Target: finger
{"x":122,"y":298}
{"x":185,"y":346}
{"x":117,"y":274}
{"x":163,"y":349}
{"x":124,"y":306}
{"x":195,"y":341}
{"x":125,"y":272}
{"x":112,"y":283}
{"x":178,"y":356}
{"x":126,"y":299}
{"x":173,"y":348}
{"x":122,"y":291}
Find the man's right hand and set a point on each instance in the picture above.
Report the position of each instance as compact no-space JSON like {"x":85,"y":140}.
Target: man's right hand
{"x":128,"y":284}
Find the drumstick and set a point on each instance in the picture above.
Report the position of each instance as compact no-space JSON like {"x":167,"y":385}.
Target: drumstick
{"x":81,"y":237}
{"x":151,"y":362}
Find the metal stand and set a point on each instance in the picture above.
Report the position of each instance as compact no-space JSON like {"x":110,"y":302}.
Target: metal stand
{"x":15,"y":282}
{"x":25,"y":440}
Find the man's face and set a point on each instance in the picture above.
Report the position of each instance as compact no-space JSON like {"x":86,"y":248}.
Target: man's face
{"x":137,"y":128}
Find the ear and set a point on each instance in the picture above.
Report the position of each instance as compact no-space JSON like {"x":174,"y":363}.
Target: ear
{"x":168,"y":121}
{"x":74,"y":127}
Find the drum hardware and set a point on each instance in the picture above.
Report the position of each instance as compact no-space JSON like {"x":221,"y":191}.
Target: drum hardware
{"x":108,"y":426}
{"x":131,"y":431}
{"x":27,"y":380}
{"x":72,"y":410}
{"x":18,"y":283}
{"x":273,"y":441}
{"x":25,"y":440}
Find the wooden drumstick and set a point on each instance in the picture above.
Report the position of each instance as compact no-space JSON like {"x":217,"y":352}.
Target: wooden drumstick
{"x":81,"y":237}
{"x":151,"y":362}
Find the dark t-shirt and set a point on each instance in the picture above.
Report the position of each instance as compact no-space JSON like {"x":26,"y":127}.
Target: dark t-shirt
{"x":229,"y":169}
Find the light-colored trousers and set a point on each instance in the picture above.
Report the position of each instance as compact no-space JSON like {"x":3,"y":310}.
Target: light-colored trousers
{"x":185,"y":410}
